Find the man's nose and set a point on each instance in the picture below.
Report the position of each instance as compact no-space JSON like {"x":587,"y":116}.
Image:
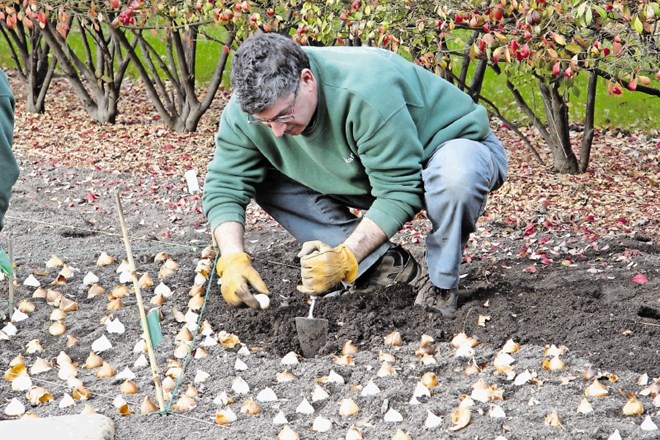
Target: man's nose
{"x":278,"y":128}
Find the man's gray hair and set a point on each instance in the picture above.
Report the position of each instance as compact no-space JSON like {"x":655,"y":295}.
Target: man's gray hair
{"x":266,"y":67}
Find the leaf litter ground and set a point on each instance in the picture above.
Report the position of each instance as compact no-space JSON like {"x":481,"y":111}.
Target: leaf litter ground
{"x":557,"y":260}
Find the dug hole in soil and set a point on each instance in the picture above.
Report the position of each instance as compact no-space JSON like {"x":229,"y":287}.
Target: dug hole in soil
{"x":571,"y":311}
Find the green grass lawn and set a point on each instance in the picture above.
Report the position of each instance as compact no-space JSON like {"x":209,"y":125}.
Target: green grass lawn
{"x":632,"y":111}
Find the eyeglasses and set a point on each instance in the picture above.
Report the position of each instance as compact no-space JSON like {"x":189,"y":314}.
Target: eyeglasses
{"x":288,"y":116}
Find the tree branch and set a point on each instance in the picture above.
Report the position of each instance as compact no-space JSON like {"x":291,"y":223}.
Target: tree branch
{"x":466,"y":58}
{"x":147,"y":52}
{"x":515,"y":129}
{"x":536,"y":122}
{"x":216,"y":78}
{"x":22,"y":69}
{"x":590,"y":109}
{"x":640,"y":88}
{"x":146,"y":78}
{"x":68,"y":68}
{"x":500,"y":116}
{"x":88,"y":50}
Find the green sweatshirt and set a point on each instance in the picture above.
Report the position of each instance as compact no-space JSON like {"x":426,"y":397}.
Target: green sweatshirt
{"x":8,"y":166}
{"x":379,"y":117}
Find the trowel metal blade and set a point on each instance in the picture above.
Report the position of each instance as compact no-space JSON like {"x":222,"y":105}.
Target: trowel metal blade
{"x":312,"y":335}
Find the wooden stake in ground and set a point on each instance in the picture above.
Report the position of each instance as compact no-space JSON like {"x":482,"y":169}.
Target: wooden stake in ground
{"x":7,"y":269}
{"x":143,"y":316}
{"x":11,"y":277}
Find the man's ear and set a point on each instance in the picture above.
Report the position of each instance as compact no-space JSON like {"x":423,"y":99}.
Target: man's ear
{"x":306,"y":76}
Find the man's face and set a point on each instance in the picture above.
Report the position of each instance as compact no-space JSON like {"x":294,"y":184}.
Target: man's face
{"x":290,"y":115}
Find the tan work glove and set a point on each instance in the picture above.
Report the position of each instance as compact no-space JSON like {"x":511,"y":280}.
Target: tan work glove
{"x":322,"y":267}
{"x":236,"y":271}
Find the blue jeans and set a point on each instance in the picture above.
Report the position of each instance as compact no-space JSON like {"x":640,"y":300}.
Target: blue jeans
{"x":457,"y":179}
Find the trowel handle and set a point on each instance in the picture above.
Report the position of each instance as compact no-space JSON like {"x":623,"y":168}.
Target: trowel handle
{"x":313,"y":298}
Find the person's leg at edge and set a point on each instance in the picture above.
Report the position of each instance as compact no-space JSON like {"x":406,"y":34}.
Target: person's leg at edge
{"x":457,"y":180}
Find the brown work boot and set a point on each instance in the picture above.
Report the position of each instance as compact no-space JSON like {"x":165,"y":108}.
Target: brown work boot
{"x":434,"y":299}
{"x":397,"y":266}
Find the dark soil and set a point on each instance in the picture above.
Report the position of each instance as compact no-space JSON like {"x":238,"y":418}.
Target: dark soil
{"x":603,"y":317}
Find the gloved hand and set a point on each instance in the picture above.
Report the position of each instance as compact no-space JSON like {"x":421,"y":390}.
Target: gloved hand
{"x":236,"y":271}
{"x":322,"y":267}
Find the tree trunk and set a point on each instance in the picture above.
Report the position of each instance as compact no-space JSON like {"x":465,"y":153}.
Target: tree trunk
{"x":95,"y":81}
{"x":590,"y":109}
{"x":478,"y":79}
{"x":558,"y":129}
{"x":466,"y":61}
{"x":173,"y":95}
{"x":444,"y":73}
{"x":34,"y":66}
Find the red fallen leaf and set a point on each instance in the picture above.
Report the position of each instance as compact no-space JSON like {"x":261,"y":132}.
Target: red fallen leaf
{"x":640,"y":278}
{"x":531,"y":269}
{"x":530,"y":228}
{"x":510,"y":221}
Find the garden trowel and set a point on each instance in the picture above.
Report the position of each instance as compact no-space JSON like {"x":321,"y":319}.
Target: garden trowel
{"x":312,"y":332}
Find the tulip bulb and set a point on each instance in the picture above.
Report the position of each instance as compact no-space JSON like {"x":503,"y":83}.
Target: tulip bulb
{"x":105,"y":371}
{"x":250,"y":408}
{"x":57,"y":328}
{"x":128,"y":387}
{"x":148,"y":406}
{"x":633,"y":407}
{"x":348,"y":408}
{"x":430,"y":379}
{"x":393,"y":340}
{"x":93,"y":361}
